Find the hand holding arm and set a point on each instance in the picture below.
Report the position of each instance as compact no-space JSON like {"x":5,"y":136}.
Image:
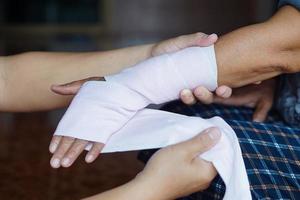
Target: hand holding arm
{"x":258,"y":96}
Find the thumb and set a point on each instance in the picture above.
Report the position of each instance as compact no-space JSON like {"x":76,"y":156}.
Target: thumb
{"x":209,"y":40}
{"x":184,"y":41}
{"x":261,"y":111}
{"x":196,"y":39}
{"x":71,"y":88}
{"x":202,"y":142}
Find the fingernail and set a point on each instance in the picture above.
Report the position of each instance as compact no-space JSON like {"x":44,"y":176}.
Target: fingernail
{"x":198,"y":92}
{"x":186,"y":93}
{"x":89,"y":158}
{"x":55,"y":163}
{"x":214,"y":133}
{"x":66,"y":162}
{"x":222,"y":91}
{"x":213,"y":35}
{"x":53,"y":147}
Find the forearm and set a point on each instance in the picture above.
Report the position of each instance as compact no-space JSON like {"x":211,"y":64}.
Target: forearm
{"x":133,"y":190}
{"x":25,"y":79}
{"x":261,"y":51}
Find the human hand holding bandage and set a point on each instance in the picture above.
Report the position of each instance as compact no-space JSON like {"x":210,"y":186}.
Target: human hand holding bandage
{"x":102,"y":112}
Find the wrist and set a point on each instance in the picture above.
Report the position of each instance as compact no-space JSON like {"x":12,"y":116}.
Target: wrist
{"x":149,"y":188}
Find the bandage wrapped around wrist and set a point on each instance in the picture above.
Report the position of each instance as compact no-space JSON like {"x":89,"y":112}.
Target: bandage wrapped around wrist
{"x":113,"y":113}
{"x":100,"y":109}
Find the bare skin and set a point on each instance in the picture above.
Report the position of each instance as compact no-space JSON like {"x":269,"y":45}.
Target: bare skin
{"x":242,"y":70}
{"x":191,"y":172}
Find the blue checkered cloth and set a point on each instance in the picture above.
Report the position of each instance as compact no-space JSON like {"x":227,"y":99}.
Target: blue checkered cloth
{"x":271,"y":152}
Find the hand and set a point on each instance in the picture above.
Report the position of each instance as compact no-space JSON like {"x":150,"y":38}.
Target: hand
{"x":259,"y":96}
{"x":177,"y":170}
{"x":172,"y":172}
{"x":65,"y":149}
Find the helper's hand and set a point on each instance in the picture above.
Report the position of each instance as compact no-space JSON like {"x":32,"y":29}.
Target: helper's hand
{"x":172,"y":172}
{"x":259,"y":96}
{"x":177,"y":170}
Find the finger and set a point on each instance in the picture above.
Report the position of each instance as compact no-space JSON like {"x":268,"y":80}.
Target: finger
{"x":72,"y":87}
{"x":203,"y":95}
{"x":94,"y":152}
{"x":64,"y":145}
{"x":182,"y":42}
{"x":202,"y":142}
{"x":196,"y":39}
{"x":234,"y":100}
{"x":261,"y":111}
{"x":73,"y":153}
{"x":211,"y":39}
{"x":54,"y":143}
{"x":187,"y":97}
{"x":224,"y":91}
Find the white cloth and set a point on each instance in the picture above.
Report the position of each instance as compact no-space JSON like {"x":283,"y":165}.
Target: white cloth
{"x":160,"y":79}
{"x":115,"y":109}
{"x":155,"y":129}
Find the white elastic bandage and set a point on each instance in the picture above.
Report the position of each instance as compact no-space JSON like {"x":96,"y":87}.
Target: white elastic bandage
{"x":100,"y":112}
{"x":116,"y":109}
{"x":160,"y":79}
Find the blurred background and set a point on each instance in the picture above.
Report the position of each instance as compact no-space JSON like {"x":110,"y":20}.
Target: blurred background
{"x":91,"y":25}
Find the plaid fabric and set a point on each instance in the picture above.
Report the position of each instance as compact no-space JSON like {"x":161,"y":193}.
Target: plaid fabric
{"x":271,"y":152}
